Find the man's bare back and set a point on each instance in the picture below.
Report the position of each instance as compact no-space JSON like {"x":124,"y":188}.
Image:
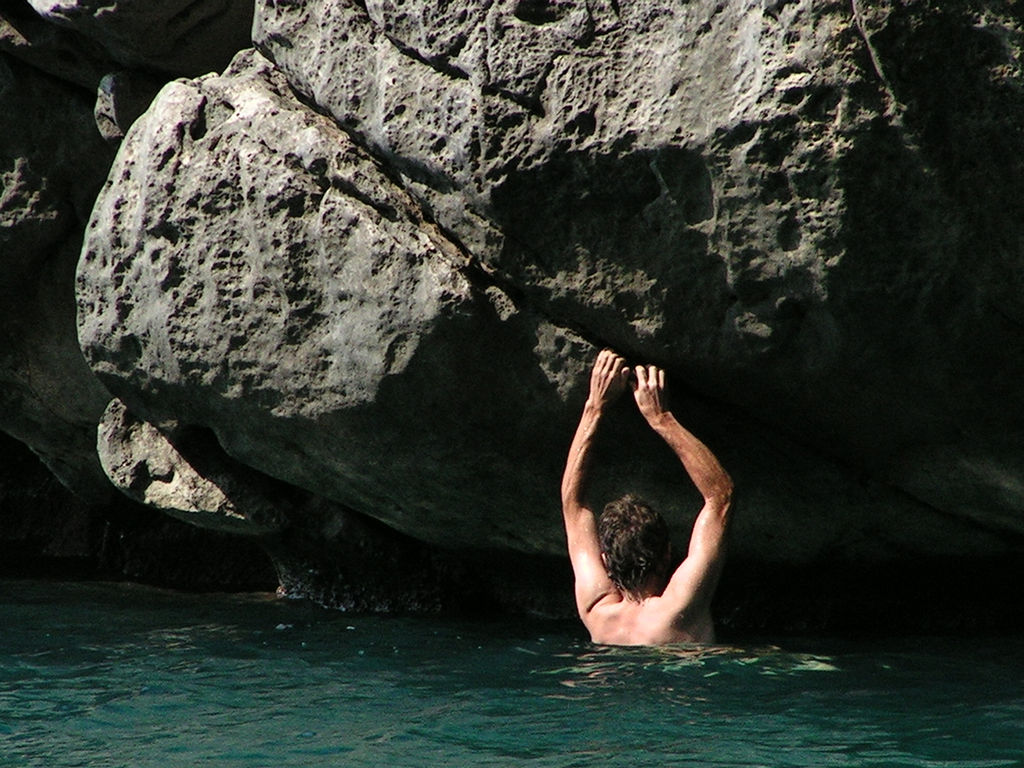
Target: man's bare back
{"x":659,"y":608}
{"x":655,"y":620}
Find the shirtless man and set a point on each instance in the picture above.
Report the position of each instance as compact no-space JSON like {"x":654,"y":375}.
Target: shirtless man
{"x":624,"y":592}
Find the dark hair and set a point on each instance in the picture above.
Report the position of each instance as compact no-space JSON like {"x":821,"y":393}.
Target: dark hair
{"x":635,"y":542}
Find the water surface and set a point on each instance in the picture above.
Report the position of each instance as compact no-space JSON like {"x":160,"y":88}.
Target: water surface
{"x":106,"y":675}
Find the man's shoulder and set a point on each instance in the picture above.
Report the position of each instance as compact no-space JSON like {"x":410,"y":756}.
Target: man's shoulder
{"x":606,"y":605}
{"x":605,"y":611}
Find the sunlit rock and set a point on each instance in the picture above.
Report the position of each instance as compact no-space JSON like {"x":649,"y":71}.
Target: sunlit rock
{"x":197,"y":487}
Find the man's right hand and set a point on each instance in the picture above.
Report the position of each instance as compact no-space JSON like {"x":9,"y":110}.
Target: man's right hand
{"x":609,"y":378}
{"x":649,"y":391}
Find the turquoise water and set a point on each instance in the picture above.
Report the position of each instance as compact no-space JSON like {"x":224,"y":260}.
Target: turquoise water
{"x":104,"y":675}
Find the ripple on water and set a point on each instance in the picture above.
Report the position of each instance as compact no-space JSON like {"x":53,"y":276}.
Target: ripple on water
{"x":147,"y":679}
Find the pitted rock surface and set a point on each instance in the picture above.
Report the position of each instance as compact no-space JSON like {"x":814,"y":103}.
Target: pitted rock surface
{"x":197,"y":488}
{"x":376,"y":258}
{"x":309,"y":314}
{"x":251,"y":269}
{"x":785,"y":203}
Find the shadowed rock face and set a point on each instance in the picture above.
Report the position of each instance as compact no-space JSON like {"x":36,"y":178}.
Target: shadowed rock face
{"x":53,"y":160}
{"x":377,"y":257}
{"x":782,"y":205}
{"x":52,"y":163}
{"x":50,"y":533}
{"x":173,"y":37}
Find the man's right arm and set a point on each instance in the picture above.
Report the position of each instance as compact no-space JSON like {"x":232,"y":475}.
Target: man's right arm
{"x":608,"y":381}
{"x":694,"y":582}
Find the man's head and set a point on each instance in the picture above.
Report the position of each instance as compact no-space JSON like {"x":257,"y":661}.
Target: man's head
{"x":635,"y":546}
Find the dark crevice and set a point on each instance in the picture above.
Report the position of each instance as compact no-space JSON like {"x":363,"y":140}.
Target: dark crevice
{"x":538,"y":12}
{"x":392,"y":165}
{"x":191,"y":16}
{"x":346,"y":187}
{"x":443,"y":65}
{"x":894,"y":105}
{"x":528,"y":103}
{"x":542,"y":83}
{"x":439,"y":64}
{"x":197,"y":128}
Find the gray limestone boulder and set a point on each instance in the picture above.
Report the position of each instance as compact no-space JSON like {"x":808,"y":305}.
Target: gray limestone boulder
{"x":305,"y":309}
{"x":808,"y":211}
{"x":251,"y":269}
{"x":65,"y":96}
{"x":198,"y":488}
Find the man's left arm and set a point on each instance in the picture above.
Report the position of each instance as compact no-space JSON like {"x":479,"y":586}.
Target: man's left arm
{"x":693,"y":584}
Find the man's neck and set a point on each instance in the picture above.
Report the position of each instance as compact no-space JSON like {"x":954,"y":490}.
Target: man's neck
{"x":653,"y":588}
